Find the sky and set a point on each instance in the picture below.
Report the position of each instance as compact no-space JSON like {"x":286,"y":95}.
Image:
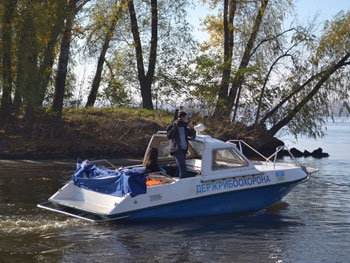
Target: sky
{"x":326,"y":9}
{"x":306,"y":10}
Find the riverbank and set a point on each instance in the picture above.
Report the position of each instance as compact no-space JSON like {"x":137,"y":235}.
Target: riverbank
{"x":95,"y":134}
{"x":84,"y":133}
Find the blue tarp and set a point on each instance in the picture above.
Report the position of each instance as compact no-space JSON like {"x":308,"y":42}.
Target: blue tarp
{"x":108,"y":181}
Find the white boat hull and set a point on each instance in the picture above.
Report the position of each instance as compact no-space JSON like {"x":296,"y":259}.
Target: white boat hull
{"x":221,"y":180}
{"x":189,"y":197}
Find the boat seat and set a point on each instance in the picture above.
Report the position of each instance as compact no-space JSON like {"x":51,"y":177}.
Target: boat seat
{"x":158,"y":178}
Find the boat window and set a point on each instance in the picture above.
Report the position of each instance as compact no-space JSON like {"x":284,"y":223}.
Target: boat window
{"x":227,"y":158}
{"x":164,"y":149}
{"x":197,"y":147}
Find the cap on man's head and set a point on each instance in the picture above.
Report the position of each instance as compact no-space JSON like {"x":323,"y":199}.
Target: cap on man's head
{"x":182,"y":114}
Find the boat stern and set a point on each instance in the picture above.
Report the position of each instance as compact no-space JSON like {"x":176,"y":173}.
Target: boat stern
{"x":82,"y":203}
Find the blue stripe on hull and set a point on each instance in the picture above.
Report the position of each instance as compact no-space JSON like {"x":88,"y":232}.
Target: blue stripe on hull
{"x":243,"y":201}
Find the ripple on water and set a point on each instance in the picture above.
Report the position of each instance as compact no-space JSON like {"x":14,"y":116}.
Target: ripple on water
{"x":10,"y":225}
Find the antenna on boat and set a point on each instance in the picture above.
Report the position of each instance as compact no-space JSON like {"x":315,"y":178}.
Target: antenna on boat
{"x":199,"y":128}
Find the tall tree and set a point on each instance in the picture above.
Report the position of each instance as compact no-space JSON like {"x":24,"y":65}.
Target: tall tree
{"x":151,"y":61}
{"x":55,"y":15}
{"x":7,"y":75}
{"x":29,"y":52}
{"x":229,"y":14}
{"x":322,"y":78}
{"x":117,"y":11}
{"x":327,"y":82}
{"x":27,"y":60}
{"x":284,"y":78}
{"x":145,"y":78}
{"x":73,"y":7}
{"x":227,"y":99}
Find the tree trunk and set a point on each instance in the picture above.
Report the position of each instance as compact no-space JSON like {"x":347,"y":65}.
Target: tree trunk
{"x":229,"y":13}
{"x":145,"y":79}
{"x":27,"y":70}
{"x":45,"y":69}
{"x":74,"y":6}
{"x":323,"y":78}
{"x":227,"y":99}
{"x":264,"y":87}
{"x":235,"y":92}
{"x":61,"y":76}
{"x":98,"y":75}
{"x":6,"y":101}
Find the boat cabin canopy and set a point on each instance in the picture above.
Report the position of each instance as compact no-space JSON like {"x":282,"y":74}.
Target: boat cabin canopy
{"x":206,"y":156}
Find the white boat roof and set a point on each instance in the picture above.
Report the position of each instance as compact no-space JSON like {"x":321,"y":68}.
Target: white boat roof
{"x":205,"y":161}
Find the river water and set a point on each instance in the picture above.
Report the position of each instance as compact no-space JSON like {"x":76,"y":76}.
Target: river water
{"x":312,"y":224}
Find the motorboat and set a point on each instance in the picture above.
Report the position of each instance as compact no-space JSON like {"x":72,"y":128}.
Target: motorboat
{"x":220,"y":179}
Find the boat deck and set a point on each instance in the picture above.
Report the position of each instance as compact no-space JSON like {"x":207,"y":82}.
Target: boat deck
{"x":268,"y":166}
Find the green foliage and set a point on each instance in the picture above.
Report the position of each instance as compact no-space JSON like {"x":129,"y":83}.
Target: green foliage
{"x":115,"y":94}
{"x":335,"y":41}
{"x":287,"y":75}
{"x":36,"y":26}
{"x":278,"y":78}
{"x":120,"y":114}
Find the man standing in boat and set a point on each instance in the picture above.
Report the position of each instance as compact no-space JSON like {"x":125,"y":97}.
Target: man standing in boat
{"x":179,"y":132}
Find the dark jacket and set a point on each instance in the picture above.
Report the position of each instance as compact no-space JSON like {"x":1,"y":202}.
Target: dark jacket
{"x":173,"y":134}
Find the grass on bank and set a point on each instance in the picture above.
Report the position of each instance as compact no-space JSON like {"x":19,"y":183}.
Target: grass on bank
{"x":96,"y":133}
{"x":88,"y":133}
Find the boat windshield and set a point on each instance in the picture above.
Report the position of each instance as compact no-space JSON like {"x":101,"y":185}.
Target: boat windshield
{"x":164,"y":149}
{"x":227,"y":158}
{"x":197,"y":147}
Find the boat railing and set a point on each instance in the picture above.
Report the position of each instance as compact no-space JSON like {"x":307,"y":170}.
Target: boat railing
{"x":271,"y":158}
